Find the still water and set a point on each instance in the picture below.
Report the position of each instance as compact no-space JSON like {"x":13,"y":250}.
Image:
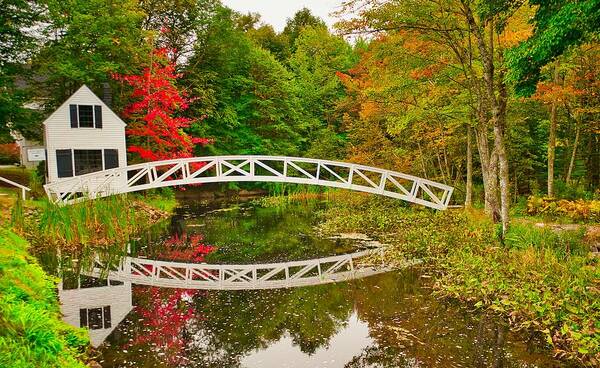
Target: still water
{"x":387,"y":320}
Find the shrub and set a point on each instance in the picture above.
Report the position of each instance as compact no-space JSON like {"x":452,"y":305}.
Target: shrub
{"x":31,"y":331}
{"x":577,"y":210}
{"x":9,"y":154}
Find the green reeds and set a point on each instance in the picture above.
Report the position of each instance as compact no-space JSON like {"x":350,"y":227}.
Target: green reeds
{"x":99,"y":222}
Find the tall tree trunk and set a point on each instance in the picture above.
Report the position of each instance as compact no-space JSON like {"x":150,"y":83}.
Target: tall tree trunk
{"x":593,"y":164}
{"x":489,"y":171}
{"x":439,"y":160}
{"x":573,"y":153}
{"x":503,"y":176}
{"x":499,"y":142}
{"x":469,"y":186}
{"x":552,"y":140}
{"x":496,"y":98}
{"x":422,"y":161}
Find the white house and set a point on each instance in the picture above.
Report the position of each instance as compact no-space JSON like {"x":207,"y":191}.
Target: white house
{"x":100,"y":309}
{"x":82,"y":136}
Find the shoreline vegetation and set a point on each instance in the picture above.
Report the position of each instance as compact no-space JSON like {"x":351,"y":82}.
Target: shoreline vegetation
{"x":540,"y":279}
{"x":102,"y":222}
{"x":31,"y":330}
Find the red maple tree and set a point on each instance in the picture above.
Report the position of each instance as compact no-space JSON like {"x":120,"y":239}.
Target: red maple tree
{"x":155,"y":130}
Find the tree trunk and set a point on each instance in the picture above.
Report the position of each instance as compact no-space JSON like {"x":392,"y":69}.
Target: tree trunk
{"x":573,"y":153}
{"x":422,"y":161}
{"x":593,"y":164}
{"x":489,"y":171}
{"x":552,"y":140}
{"x":551,"y":149}
{"x":503,"y":176}
{"x":469,"y":186}
{"x":496,"y":98}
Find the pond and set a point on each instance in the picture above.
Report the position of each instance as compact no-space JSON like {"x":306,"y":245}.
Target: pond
{"x":386,"y":320}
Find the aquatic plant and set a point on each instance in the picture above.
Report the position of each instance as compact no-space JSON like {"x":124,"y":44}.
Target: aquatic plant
{"x":110,"y":220}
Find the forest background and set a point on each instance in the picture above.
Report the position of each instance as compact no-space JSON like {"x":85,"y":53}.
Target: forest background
{"x":498,"y":99}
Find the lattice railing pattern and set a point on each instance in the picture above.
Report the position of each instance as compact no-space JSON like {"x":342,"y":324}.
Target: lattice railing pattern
{"x":255,"y":276}
{"x":199,"y":170}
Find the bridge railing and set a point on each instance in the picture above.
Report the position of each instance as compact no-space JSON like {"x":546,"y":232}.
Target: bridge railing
{"x":251,"y":276}
{"x":199,"y":170}
{"x":23,"y":188}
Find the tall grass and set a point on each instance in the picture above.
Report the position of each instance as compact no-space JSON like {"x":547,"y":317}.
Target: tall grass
{"x":99,"y":222}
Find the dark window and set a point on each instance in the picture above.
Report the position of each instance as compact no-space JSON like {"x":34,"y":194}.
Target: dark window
{"x":98,"y":116}
{"x":64,"y":163}
{"x":86,"y":116}
{"x":73,"y":112}
{"x":107,"y":321}
{"x":83,"y":317}
{"x":111,"y":159}
{"x":87,"y":161}
{"x":95,"y":318}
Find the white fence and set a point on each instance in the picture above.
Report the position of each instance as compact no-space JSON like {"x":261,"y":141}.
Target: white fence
{"x":23,"y":188}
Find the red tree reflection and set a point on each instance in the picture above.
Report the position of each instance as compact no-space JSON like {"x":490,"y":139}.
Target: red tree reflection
{"x":164,"y":313}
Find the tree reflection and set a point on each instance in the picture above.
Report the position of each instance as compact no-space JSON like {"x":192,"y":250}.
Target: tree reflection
{"x":407,"y":325}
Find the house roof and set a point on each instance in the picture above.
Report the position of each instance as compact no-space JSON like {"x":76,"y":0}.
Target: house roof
{"x":96,"y":101}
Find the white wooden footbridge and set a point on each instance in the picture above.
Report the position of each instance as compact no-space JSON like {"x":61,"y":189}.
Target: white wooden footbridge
{"x":200,"y":170}
{"x":247,"y":277}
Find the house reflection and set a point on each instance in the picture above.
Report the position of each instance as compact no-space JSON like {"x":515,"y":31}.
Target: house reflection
{"x":95,"y":304}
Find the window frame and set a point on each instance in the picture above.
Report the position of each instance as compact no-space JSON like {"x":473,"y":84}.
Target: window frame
{"x":72,"y":152}
{"x":104,"y":312}
{"x":101,"y":161}
{"x":93,"y":112}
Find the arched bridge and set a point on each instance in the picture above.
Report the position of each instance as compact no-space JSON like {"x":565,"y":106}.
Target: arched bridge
{"x":280,"y":169}
{"x":203,"y":276}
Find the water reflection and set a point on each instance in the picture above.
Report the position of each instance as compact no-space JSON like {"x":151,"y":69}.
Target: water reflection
{"x":97,"y":305}
{"x":388,"y":320}
{"x":341,"y":347}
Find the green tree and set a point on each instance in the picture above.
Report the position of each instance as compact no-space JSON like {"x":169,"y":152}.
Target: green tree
{"x":17,"y":45}
{"x":302,"y":18}
{"x":247,"y":95}
{"x":177,"y":23}
{"x":317,"y":59}
{"x":268,"y":39}
{"x":558,"y":25}
{"x":89,"y":40}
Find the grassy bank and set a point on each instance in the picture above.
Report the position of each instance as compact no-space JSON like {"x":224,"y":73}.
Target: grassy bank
{"x":105,"y":221}
{"x":539,"y":279}
{"x":31,"y":331}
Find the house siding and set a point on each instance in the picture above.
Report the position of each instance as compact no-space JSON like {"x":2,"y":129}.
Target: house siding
{"x":60,"y":135}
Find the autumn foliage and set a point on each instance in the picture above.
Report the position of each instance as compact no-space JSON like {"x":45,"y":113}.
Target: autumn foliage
{"x":9,"y":153}
{"x":155,"y":130}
